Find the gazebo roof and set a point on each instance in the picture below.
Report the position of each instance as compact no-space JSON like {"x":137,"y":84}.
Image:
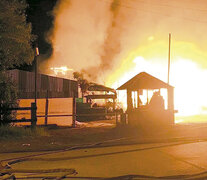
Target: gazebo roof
{"x":144,"y":80}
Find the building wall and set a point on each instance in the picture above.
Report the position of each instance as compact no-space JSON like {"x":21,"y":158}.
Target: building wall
{"x":54,"y":87}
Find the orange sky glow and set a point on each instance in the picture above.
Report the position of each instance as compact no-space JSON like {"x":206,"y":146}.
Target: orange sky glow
{"x":114,"y":44}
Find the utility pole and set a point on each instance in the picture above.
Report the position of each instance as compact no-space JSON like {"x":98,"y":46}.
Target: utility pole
{"x":168,"y":78}
{"x":36,"y":54}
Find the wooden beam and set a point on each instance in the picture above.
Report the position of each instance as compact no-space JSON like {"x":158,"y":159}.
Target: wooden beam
{"x":129,"y":100}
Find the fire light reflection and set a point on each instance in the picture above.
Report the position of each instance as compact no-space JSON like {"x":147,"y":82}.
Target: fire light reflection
{"x":187,"y":76}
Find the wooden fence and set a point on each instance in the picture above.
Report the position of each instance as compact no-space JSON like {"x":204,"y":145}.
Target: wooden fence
{"x":32,"y":109}
{"x":120,"y":117}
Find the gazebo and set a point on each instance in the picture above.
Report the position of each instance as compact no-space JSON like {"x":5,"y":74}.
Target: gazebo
{"x":155,"y":112}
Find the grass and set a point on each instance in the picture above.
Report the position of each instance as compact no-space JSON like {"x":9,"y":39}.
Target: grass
{"x":13,"y":132}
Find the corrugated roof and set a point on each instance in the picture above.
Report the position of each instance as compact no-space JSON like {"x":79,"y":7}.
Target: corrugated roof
{"x":144,"y":80}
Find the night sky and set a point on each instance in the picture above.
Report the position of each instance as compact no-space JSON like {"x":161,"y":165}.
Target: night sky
{"x":39,"y":14}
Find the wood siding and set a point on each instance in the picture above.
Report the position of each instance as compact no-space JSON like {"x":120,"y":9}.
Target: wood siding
{"x":56,"y":87}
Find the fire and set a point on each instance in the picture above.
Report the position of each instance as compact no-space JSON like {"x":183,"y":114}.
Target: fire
{"x":187,"y":74}
{"x":62,"y":70}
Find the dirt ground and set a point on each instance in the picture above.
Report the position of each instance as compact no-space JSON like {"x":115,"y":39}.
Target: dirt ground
{"x":103,"y":132}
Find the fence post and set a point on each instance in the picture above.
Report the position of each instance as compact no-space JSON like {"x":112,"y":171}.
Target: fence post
{"x":33,"y":115}
{"x":46,"y":108}
{"x":74,"y":112}
{"x":0,"y":113}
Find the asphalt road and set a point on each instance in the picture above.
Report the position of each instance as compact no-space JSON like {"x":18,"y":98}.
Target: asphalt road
{"x":163,"y":159}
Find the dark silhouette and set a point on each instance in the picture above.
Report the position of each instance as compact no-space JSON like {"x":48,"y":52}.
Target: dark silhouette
{"x":154,"y":115}
{"x":157,"y":101}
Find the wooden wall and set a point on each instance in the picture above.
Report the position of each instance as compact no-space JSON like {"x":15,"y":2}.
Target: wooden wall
{"x":56,"y":87}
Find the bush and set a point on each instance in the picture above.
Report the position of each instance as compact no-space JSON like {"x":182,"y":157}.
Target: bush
{"x":8,"y":98}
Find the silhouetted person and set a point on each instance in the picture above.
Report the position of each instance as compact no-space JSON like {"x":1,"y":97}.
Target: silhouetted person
{"x":157,"y":101}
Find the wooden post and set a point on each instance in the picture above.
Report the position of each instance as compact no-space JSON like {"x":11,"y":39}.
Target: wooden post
{"x":134,"y":99}
{"x":138,"y":103}
{"x":46,"y":108}
{"x":74,"y":112}
{"x":35,"y":60}
{"x":0,"y":113}
{"x":147,"y":97}
{"x":129,"y":100}
{"x":33,"y":115}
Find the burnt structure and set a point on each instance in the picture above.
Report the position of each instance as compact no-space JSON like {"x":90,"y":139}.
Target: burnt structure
{"x":103,"y":93}
{"x":47,"y":86}
{"x":152,"y":113}
{"x":91,"y":108}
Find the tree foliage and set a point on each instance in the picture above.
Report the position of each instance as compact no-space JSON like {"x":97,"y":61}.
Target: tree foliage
{"x":15,"y":34}
{"x":8,"y":98}
{"x":15,"y":49}
{"x":83,"y":83}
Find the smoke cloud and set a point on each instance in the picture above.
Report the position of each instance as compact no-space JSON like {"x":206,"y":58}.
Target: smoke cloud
{"x":111,"y":45}
{"x":95,"y":36}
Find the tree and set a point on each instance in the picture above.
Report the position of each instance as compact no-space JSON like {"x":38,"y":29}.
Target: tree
{"x":15,"y":49}
{"x":83,"y":83}
{"x":15,"y":35}
{"x":8,"y":98}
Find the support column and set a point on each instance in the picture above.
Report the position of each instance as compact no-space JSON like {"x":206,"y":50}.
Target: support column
{"x":138,"y":103}
{"x":147,"y":97}
{"x":129,"y":100}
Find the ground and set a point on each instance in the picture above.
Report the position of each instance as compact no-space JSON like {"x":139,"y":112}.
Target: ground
{"x":101,"y":131}
{"x":100,"y":149}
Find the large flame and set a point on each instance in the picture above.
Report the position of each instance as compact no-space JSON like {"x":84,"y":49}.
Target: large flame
{"x":187,"y":76}
{"x":101,"y":39}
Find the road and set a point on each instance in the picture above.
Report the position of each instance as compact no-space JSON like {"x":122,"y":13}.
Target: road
{"x":158,"y":159}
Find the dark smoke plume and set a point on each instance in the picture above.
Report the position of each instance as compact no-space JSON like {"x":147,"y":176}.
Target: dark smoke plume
{"x":111,"y":46}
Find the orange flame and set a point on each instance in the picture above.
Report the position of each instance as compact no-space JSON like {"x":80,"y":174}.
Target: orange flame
{"x":187,"y":75}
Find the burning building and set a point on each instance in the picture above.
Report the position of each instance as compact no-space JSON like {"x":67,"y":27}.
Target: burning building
{"x":154,"y":113}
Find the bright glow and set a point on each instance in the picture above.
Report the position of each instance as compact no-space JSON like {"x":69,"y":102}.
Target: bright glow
{"x":150,"y":38}
{"x":188,"y":78}
{"x":179,"y":121}
{"x":63,"y":70}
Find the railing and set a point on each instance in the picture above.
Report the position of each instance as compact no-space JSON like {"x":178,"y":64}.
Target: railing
{"x":120,"y":117}
{"x":32,"y":109}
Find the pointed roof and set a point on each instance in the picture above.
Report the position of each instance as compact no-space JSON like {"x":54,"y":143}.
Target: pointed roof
{"x":144,"y":80}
